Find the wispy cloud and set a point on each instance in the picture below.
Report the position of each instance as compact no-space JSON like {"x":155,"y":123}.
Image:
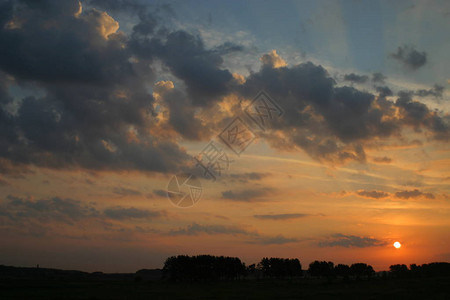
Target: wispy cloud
{"x":248,"y":195}
{"x":126,"y":191}
{"x":196,"y":229}
{"x":254,"y":237}
{"x":373,"y":194}
{"x":275,"y":240}
{"x":413,"y":194}
{"x":249,"y":176}
{"x":52,"y":209}
{"x":347,"y":241}
{"x":124,"y":213}
{"x":281,"y":216}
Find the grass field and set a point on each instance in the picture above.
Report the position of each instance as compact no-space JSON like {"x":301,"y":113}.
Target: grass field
{"x":425,"y":288}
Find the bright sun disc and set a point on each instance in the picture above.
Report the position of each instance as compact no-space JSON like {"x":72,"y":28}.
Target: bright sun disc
{"x":397,"y":245}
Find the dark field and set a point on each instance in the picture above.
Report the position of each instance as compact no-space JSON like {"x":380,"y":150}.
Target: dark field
{"x":392,"y":288}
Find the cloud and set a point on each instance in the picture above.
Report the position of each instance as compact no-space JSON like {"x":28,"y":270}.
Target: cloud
{"x":160,"y":193}
{"x":125,"y":192}
{"x":348,"y":241}
{"x":373,"y":194}
{"x":95,"y":111}
{"x":196,"y":229}
{"x":23,"y":211}
{"x":188,"y":59}
{"x":248,"y":195}
{"x":410,"y":57}
{"x":94,"y":99}
{"x":250,"y":176}
{"x":356,"y":78}
{"x":382,"y":159}
{"x":436,"y":91}
{"x":333,"y":123}
{"x":281,"y":216}
{"x":384,"y":91}
{"x":417,"y":115}
{"x":378,"y":78}
{"x":63,"y":210}
{"x":124,"y":213}
{"x":328,"y":122}
{"x":275,"y":240}
{"x":3,"y":182}
{"x":413,"y":194}
{"x":273,"y":60}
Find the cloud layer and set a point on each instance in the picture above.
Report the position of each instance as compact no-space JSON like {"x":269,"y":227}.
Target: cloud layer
{"x":94,"y":108}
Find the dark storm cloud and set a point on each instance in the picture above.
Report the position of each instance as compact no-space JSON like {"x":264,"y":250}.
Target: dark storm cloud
{"x":125,"y":213}
{"x":413,"y":194}
{"x":347,"y":241}
{"x":95,"y":110}
{"x":410,"y":57}
{"x":417,"y":115}
{"x":328,"y":122}
{"x":378,"y":78}
{"x":384,"y":91}
{"x":373,"y":194}
{"x":188,"y":59}
{"x":281,"y":216}
{"x":96,"y":97}
{"x":227,"y":47}
{"x":69,"y":51}
{"x":117,"y":5}
{"x":436,"y":91}
{"x":182,"y":115}
{"x":356,"y":78}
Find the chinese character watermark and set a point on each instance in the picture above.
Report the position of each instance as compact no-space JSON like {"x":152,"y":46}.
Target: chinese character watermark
{"x":185,"y":190}
{"x":237,"y":136}
{"x":213,"y":160}
{"x":263,"y":109}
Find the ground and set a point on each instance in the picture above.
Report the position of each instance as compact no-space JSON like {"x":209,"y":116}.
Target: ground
{"x":425,"y":288}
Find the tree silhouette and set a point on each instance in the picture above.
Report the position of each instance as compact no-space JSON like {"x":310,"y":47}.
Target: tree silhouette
{"x":342,"y":271}
{"x":399,"y":270}
{"x":321,"y":269}
{"x":203,"y":267}
{"x":280,"y":267}
{"x":361,"y":270}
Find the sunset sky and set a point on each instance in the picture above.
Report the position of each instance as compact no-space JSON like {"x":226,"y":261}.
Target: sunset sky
{"x":103,"y":102}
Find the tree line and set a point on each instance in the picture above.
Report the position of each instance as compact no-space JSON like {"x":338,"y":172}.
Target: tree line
{"x":417,"y":271}
{"x":209,"y":267}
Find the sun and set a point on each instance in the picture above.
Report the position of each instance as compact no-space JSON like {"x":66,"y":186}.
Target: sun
{"x":397,"y":245}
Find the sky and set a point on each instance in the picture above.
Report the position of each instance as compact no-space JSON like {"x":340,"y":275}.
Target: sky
{"x":131,"y":131}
